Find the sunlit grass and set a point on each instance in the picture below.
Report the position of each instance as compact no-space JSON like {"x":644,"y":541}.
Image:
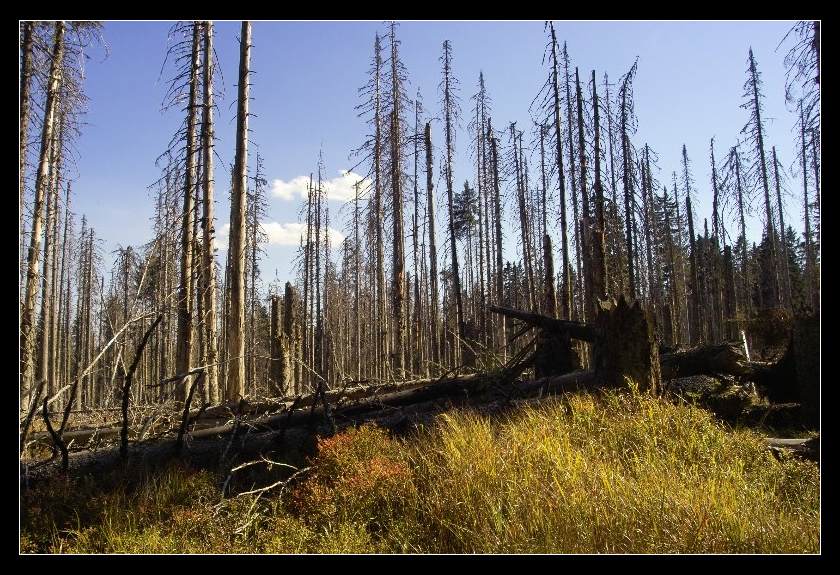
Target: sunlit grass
{"x":614,"y":473}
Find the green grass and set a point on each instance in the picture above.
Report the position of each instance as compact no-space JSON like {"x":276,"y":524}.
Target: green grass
{"x":613,"y":473}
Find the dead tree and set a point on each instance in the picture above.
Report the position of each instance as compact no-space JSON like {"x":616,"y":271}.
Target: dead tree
{"x":450,"y":114}
{"x":27,"y":339}
{"x":696,"y":328}
{"x":185,"y":288}
{"x":235,"y":386}
{"x":566,"y":294}
{"x":398,"y":288}
{"x":600,"y":274}
{"x":25,"y":97}
{"x":787,"y":299}
{"x":754,"y":129}
{"x":208,"y":288}
{"x":497,"y":207}
{"x":626,"y":122}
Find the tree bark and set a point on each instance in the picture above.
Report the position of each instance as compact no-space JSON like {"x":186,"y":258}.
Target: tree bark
{"x":209,"y":289}
{"x":27,"y":337}
{"x":186,"y":289}
{"x":235,"y":385}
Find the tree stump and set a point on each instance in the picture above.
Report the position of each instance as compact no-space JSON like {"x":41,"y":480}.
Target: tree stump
{"x":626,"y":346}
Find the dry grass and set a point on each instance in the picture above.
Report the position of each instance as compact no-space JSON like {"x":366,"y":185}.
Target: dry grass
{"x":618,"y":473}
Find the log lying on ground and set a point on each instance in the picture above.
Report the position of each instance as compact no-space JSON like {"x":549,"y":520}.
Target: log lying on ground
{"x":721,"y":358}
{"x":808,"y":448}
{"x":217,"y":417}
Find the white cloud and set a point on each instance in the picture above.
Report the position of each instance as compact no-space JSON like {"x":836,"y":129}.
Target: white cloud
{"x":220,"y":240}
{"x":280,"y":235}
{"x":340,"y":189}
{"x":290,"y":234}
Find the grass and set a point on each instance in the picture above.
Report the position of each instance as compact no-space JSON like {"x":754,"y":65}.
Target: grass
{"x":612,"y":473}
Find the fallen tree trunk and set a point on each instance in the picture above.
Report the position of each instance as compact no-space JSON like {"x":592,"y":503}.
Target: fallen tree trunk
{"x":217,"y":415}
{"x":722,"y":358}
{"x":575,"y":329}
{"x":808,"y":448}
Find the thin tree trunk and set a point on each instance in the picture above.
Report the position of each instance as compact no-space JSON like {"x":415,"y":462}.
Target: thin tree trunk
{"x":27,"y":337}
{"x":566,"y":294}
{"x":25,"y":97}
{"x":601,"y":281}
{"x":183,"y":356}
{"x":235,"y":385}
{"x":448,"y":107}
{"x":209,"y":290}
{"x":497,"y":204}
{"x":433,"y":270}
{"x":787,"y":301}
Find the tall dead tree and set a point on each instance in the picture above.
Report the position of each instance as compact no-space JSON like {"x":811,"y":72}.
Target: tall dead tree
{"x":566,"y":293}
{"x":570,"y":124}
{"x":417,"y":348}
{"x":600,"y":277}
{"x":450,"y":113}
{"x":497,"y":212}
{"x":185,"y":288}
{"x":398,"y":262}
{"x":433,"y":270}
{"x":812,"y":294}
{"x":27,"y":42}
{"x":626,"y":152}
{"x":208,"y":223}
{"x":589,"y":309}
{"x":754,"y":129}
{"x":787,"y":299}
{"x":43,"y":365}
{"x":27,"y":339}
{"x":235,"y":385}
{"x":696,"y":328}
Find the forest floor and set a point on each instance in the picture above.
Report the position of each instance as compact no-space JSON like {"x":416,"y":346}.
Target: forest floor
{"x":603,"y":472}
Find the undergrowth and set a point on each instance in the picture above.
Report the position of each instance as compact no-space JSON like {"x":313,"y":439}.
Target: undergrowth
{"x":607,"y":473}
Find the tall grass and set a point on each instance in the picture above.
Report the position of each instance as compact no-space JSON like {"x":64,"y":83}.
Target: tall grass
{"x":613,"y":473}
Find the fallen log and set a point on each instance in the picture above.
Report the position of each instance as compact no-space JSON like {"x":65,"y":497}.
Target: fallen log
{"x":808,"y":448}
{"x":575,"y":329}
{"x":217,"y":416}
{"x":724,"y":358}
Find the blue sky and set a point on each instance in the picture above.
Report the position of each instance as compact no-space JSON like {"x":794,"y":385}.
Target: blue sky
{"x":688,"y":88}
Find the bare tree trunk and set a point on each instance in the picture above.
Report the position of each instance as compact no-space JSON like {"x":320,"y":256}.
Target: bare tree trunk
{"x":771,"y":236}
{"x":787,"y":300}
{"x":290,"y":340}
{"x":497,"y":205}
{"x":745,"y":271}
{"x":448,"y":108}
{"x":208,"y":289}
{"x":63,"y":347}
{"x":183,"y":356}
{"x":586,"y":249}
{"x":433,"y":273}
{"x":628,"y":194}
{"x":27,"y":339}
{"x":25,"y":97}
{"x":43,"y":367}
{"x":235,"y":385}
{"x":398,"y":262}
{"x":601,"y":281}
{"x":523,"y":222}
{"x":566,"y":294}
{"x":811,"y":294}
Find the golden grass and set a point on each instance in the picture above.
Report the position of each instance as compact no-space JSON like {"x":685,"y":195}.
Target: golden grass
{"x":613,"y":473}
